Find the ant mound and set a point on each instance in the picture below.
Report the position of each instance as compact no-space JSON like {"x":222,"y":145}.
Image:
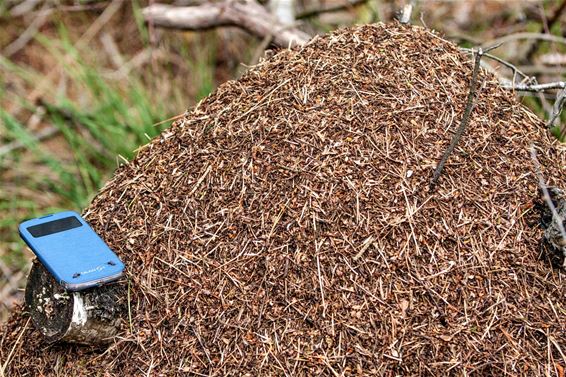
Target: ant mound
{"x":285,"y":226}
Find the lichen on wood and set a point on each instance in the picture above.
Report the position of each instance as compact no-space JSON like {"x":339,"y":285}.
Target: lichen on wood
{"x":90,"y":317}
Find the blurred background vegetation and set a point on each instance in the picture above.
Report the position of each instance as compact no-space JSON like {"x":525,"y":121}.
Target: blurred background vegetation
{"x":84,"y":83}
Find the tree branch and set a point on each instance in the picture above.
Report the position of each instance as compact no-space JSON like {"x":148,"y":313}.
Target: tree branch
{"x":248,"y":15}
{"x":536,"y":87}
{"x":465,"y":118}
{"x":502,"y":62}
{"x":556,"y":110}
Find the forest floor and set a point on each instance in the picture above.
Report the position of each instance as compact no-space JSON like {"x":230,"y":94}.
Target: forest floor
{"x":84,"y":84}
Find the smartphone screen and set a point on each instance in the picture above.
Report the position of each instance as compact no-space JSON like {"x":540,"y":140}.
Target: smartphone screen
{"x":54,"y":226}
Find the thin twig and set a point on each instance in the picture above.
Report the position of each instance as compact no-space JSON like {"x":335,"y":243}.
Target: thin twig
{"x":557,"y":108}
{"x":173,"y":118}
{"x":320,"y":284}
{"x":207,"y":354}
{"x":536,"y":87}
{"x":533,"y":86}
{"x":503,"y":62}
{"x":463,"y":124}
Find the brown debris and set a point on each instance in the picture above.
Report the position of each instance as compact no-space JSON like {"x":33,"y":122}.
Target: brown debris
{"x":285,"y":226}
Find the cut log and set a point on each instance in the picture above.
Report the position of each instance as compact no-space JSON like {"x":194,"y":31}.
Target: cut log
{"x":90,"y":317}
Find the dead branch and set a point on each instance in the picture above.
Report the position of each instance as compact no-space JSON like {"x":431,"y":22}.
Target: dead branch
{"x":530,"y":84}
{"x":533,"y":87}
{"x":557,"y":108}
{"x":463,"y":124}
{"x":248,"y":15}
{"x":527,"y":82}
{"x":536,"y":87}
{"x":505,"y":63}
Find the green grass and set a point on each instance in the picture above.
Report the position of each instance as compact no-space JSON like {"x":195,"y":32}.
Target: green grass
{"x":98,"y":127}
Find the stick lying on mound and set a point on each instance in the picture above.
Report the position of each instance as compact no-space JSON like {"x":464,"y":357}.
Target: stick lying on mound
{"x":285,"y":226}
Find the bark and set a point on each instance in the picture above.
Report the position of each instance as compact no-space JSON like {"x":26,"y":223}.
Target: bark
{"x":248,"y":15}
{"x":92,"y":316}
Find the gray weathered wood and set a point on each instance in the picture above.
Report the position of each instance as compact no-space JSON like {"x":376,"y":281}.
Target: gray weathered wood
{"x":248,"y":15}
{"x":92,"y":316}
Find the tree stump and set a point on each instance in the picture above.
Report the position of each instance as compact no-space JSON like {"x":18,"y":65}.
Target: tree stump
{"x":92,"y":316}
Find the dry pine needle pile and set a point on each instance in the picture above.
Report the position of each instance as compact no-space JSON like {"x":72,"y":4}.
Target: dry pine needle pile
{"x":285,"y":226}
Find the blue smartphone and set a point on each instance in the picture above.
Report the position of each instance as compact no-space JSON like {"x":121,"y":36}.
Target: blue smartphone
{"x":71,"y":250}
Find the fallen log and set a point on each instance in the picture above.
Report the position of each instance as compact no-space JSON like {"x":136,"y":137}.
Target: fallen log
{"x":248,"y":15}
{"x":91,"y":317}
